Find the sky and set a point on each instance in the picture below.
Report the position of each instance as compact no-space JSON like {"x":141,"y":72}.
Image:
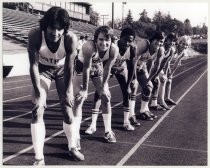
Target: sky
{"x":196,"y":12}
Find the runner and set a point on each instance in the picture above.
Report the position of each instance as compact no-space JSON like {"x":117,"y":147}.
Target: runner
{"x":170,"y":50}
{"x":98,"y":57}
{"x":52,"y":49}
{"x":183,"y":44}
{"x":122,"y":69}
{"x":150,"y":54}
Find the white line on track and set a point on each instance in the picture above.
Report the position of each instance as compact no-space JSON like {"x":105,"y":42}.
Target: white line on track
{"x":174,"y":148}
{"x":189,"y":69}
{"x":8,"y":119}
{"x":17,"y":81}
{"x":10,"y":89}
{"x":130,"y":153}
{"x":31,"y":85}
{"x":140,"y":142}
{"x":48,"y":138}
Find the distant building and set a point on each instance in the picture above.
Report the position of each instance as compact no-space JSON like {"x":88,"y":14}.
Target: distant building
{"x":78,"y":11}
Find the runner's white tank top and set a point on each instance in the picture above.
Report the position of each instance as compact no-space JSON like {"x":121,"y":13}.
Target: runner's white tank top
{"x":145,"y":57}
{"x":46,"y":57}
{"x":120,"y":61}
{"x":95,"y":57}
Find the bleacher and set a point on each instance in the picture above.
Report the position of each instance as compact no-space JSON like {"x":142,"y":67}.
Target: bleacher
{"x":16,"y":25}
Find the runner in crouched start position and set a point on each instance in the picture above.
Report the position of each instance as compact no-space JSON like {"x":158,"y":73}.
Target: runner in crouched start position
{"x":150,"y":54}
{"x":98,"y":56}
{"x":52,"y":49}
{"x":165,"y":68}
{"x":183,"y":44}
{"x":122,"y":69}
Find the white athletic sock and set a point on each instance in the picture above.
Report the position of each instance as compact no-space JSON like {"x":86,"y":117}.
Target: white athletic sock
{"x":162,"y":93}
{"x":168,"y":89}
{"x":70,"y":132}
{"x":144,"y":106}
{"x":77,"y":120}
{"x":107,"y":122}
{"x":38,"y":136}
{"x":126,"y":118}
{"x":132,"y":107}
{"x":94,"y":119}
{"x":154,"y":102}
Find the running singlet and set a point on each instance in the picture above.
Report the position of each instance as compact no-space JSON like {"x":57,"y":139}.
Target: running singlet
{"x":46,"y":57}
{"x":95,"y":57}
{"x":145,"y":57}
{"x":120,"y":61}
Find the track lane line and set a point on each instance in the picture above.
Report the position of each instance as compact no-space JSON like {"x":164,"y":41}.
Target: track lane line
{"x":32,"y":85}
{"x":140,"y":142}
{"x":49,"y":138}
{"x":174,"y":148}
{"x":129,"y":154}
{"x":92,"y":93}
{"x":11,"y":118}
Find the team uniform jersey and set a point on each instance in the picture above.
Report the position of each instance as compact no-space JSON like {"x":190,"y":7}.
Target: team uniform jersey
{"x":46,"y":57}
{"x":97,"y":62}
{"x":120,"y":62}
{"x":144,"y":59}
{"x":51,"y":65}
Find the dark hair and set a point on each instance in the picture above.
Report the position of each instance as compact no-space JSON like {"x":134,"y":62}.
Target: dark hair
{"x":128,"y":32}
{"x":158,"y":35}
{"x":86,"y":37}
{"x":55,"y":15}
{"x":81,"y":37}
{"x":172,"y":37}
{"x":106,"y":30}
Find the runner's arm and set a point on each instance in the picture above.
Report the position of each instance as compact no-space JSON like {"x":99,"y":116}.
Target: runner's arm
{"x":87,"y":50}
{"x":70,"y":46}
{"x":107,"y":68}
{"x":153,"y":73}
{"x":33,"y":53}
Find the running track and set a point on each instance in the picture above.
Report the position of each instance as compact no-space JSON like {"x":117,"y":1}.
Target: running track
{"x":178,"y":137}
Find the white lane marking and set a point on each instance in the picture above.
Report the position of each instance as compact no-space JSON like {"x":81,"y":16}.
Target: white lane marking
{"x":49,"y":138}
{"x":130,"y":153}
{"x":175,"y":148}
{"x":21,"y":80}
{"x":140,"y":142}
{"x":10,"y":89}
{"x":189,"y":69}
{"x":31,"y":85}
{"x":92,"y":93}
{"x":8,"y":119}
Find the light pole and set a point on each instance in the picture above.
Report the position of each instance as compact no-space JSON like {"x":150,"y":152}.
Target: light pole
{"x":103,"y":17}
{"x":112,"y":15}
{"x":123,"y":3}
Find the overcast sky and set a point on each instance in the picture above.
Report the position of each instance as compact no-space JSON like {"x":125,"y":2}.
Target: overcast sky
{"x":196,"y":12}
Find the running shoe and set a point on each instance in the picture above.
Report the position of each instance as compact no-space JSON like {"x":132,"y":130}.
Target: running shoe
{"x":110,"y":137}
{"x":76,"y":154}
{"x":39,"y":162}
{"x":128,"y":127}
{"x":90,"y":130}
{"x":134,"y":121}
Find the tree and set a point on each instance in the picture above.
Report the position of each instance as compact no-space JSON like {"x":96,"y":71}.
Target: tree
{"x":158,"y":19}
{"x":94,"y":17}
{"x":128,"y":20}
{"x":144,"y":17}
{"x":117,"y":23}
{"x":204,"y":30}
{"x":187,"y":27}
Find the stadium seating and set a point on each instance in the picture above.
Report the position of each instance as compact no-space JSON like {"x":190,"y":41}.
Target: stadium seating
{"x":16,"y":25}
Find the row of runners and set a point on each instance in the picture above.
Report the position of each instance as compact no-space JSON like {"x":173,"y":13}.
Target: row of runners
{"x":52,"y":50}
